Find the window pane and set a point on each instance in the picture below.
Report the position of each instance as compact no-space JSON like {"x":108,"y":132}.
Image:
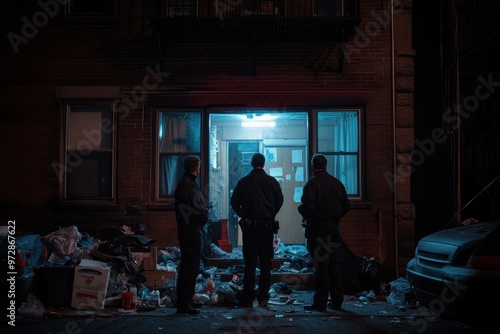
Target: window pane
{"x":171,"y":171}
{"x":89,"y":151}
{"x":179,"y":132}
{"x":92,"y":7}
{"x":180,"y":7}
{"x":90,"y":126}
{"x":91,"y":176}
{"x":344,"y":168}
{"x":338,"y":140}
{"x":338,"y":131}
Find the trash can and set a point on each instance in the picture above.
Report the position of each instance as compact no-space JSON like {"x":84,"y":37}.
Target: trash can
{"x":53,"y":285}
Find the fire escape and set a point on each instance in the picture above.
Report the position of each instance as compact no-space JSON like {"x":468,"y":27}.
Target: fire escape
{"x":319,"y":26}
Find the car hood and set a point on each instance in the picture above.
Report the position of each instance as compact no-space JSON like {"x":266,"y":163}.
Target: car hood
{"x":462,"y":235}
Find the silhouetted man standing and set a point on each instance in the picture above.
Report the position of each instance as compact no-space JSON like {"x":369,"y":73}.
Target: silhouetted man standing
{"x":191,"y":215}
{"x":256,"y":199}
{"x":324,"y":202}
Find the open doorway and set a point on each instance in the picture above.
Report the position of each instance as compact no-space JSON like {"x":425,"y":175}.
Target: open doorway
{"x":238,"y":165}
{"x":285,"y":160}
{"x":282,"y":138}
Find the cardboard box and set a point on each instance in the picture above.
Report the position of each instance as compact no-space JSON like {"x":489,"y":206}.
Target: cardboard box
{"x":159,"y":279}
{"x":90,"y":285}
{"x":146,"y":260}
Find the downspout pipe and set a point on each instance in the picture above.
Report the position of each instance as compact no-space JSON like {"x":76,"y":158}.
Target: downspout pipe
{"x":456,"y":63}
{"x":394,"y":157}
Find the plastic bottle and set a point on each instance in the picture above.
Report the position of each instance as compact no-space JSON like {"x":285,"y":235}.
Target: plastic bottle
{"x":133,"y":289}
{"x":142,"y":293}
{"x":156,"y":295}
{"x":216,"y":282}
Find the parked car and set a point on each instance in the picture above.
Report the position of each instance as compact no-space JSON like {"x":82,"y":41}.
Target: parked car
{"x":456,"y":272}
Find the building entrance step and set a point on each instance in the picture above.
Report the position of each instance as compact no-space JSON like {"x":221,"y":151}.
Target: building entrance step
{"x":231,"y":266}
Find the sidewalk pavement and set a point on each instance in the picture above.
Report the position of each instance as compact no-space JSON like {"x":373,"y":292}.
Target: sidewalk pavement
{"x":281,"y":306}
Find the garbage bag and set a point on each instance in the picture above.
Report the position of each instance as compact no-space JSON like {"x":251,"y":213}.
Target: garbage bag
{"x":31,"y":308}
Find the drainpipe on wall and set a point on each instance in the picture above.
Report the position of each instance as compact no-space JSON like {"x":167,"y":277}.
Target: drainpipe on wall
{"x":456,"y":63}
{"x":394,"y":159}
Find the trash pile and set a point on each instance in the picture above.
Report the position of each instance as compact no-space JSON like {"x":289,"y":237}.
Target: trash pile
{"x":130,"y":260}
{"x":142,"y":277}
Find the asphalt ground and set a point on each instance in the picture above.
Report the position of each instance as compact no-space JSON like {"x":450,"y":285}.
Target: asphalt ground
{"x":284,"y":314}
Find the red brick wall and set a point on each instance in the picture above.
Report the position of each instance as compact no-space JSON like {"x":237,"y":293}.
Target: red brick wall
{"x":72,"y":55}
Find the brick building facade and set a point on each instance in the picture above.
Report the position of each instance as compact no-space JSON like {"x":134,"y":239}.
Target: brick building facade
{"x":143,"y":60}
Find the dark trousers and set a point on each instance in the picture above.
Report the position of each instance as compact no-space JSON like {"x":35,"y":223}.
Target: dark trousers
{"x":189,"y":268}
{"x":257,"y":247}
{"x":324,"y":248}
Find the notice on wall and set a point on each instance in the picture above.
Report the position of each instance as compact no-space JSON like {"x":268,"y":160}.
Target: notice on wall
{"x":297,"y":194}
{"x":299,"y":174}
{"x":276,"y":171}
{"x":271,"y":154}
{"x":297,"y":156}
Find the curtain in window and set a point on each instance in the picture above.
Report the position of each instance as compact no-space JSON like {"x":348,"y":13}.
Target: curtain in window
{"x":171,"y":170}
{"x":346,"y":141}
{"x":172,"y":133}
{"x":172,"y":140}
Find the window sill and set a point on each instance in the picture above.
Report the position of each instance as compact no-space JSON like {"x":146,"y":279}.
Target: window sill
{"x":361,"y":205}
{"x":95,"y":207}
{"x":161,"y":206}
{"x":88,"y":20}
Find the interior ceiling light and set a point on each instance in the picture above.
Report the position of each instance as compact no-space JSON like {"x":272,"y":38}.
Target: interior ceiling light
{"x":258,"y":124}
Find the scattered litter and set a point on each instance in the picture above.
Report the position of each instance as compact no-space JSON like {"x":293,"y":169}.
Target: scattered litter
{"x":32,"y":307}
{"x":127,"y":311}
{"x":366,"y":296}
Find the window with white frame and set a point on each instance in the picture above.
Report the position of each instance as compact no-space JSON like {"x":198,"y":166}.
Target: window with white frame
{"x":90,"y":143}
{"x":338,"y":134}
{"x":181,"y":7}
{"x":179,"y":134}
{"x":339,"y":140}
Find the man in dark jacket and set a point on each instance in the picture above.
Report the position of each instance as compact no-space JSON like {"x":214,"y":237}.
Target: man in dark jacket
{"x":191,"y":215}
{"x":324,"y":202}
{"x":256,"y":199}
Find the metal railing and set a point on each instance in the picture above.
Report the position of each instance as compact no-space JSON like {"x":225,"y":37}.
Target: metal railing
{"x":268,"y":8}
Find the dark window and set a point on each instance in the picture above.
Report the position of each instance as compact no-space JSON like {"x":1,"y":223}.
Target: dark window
{"x":92,"y":7}
{"x":88,"y":167}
